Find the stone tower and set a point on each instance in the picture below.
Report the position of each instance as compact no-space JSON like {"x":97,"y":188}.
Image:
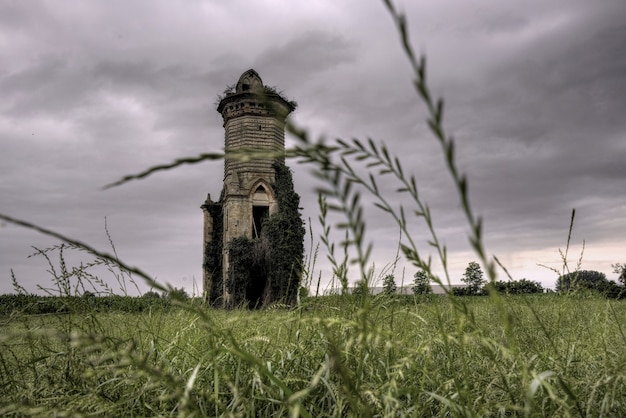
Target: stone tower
{"x":254,"y":120}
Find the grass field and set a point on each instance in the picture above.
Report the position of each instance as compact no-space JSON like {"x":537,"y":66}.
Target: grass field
{"x":540,"y":355}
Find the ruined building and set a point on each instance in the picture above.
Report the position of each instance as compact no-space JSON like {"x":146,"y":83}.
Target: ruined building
{"x":253,"y":236}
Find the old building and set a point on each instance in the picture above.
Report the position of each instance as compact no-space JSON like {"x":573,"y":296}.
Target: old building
{"x":254,"y":123}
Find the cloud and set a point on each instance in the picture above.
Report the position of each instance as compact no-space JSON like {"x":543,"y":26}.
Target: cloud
{"x":305,"y":55}
{"x":92,"y":91}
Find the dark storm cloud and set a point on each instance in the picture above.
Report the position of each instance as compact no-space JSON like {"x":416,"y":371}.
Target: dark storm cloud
{"x":583,"y":85}
{"x":93,"y":91}
{"x":304,"y":56}
{"x":47,"y":86}
{"x":543,"y":134}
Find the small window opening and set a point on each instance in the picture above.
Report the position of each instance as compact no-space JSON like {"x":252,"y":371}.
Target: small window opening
{"x":259,"y":214}
{"x":245,"y":87}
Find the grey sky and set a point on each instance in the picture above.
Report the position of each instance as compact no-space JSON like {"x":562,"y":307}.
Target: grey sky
{"x":535,"y":96}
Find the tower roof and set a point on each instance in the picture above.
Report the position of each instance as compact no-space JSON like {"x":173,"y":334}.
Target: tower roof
{"x":250,"y":81}
{"x":252,"y":97}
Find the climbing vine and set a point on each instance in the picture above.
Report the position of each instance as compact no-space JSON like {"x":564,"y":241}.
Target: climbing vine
{"x":213,"y":254}
{"x":241,"y":266}
{"x":268,"y":269}
{"x":262,"y":270}
{"x":284,"y":232}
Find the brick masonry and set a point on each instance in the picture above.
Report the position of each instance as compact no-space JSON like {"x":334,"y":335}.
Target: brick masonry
{"x":254,"y":121}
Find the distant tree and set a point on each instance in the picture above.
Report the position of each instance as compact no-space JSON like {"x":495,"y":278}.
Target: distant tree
{"x":421,"y":283}
{"x":473,"y":277}
{"x":620,"y":268}
{"x":389,"y":285}
{"x":583,"y":279}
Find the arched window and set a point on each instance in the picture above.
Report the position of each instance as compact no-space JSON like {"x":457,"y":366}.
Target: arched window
{"x":260,"y":196}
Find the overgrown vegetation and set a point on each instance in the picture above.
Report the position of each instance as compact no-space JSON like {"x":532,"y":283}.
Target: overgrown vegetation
{"x":284,"y":232}
{"x":212,"y":262}
{"x":518,"y":287}
{"x":328,"y":358}
{"x":268,"y":269}
{"x":499,"y":355}
{"x":268,"y":90}
{"x":24,"y":304}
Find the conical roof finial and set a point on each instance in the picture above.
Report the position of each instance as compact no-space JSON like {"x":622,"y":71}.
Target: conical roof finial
{"x":250,"y":82}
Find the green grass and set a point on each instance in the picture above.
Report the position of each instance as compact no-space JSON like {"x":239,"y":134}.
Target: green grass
{"x":559,"y":356}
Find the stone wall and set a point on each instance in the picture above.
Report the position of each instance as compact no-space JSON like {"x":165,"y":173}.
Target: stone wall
{"x":254,"y":121}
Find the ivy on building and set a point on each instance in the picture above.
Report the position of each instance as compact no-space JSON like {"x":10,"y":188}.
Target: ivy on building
{"x":266,"y":269}
{"x":284,"y":232}
{"x":241,"y":260}
{"x":213,"y":254}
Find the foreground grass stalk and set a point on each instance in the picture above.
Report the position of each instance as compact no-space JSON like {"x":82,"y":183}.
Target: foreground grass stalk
{"x":435,"y":122}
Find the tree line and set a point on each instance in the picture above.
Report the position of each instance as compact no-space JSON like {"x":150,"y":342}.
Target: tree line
{"x":476,"y":284}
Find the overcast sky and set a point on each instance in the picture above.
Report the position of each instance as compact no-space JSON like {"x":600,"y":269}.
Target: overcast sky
{"x":535,"y":96}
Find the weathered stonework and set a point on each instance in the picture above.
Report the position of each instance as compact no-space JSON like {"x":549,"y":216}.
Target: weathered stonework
{"x":254,"y":120}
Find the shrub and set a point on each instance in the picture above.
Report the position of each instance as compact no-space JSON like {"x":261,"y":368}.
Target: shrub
{"x":178,"y":293}
{"x":613,"y":290}
{"x":463,"y":291}
{"x":518,"y":287}
{"x":151,"y":295}
{"x":360,"y":289}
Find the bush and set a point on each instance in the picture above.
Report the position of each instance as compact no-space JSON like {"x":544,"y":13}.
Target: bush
{"x":34,"y":304}
{"x":518,"y":287}
{"x":151,"y":295}
{"x":614,"y":291}
{"x":464,"y":291}
{"x":360,"y":289}
{"x":176,"y":293}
